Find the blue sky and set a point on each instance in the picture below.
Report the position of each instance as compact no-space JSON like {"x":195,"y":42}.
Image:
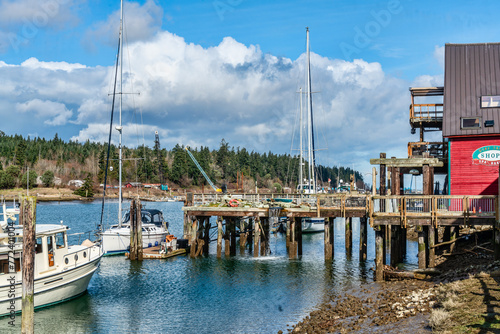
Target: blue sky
{"x":208,"y":70}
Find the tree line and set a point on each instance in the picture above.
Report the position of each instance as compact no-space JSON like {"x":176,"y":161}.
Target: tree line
{"x":225,"y":165}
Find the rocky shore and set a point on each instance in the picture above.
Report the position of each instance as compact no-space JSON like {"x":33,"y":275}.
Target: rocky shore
{"x":462,"y":298}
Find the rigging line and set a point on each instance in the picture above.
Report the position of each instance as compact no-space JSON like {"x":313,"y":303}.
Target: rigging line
{"x":110,"y":132}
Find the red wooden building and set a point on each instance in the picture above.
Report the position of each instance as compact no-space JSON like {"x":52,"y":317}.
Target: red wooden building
{"x":468,"y":116}
{"x":471,"y":117}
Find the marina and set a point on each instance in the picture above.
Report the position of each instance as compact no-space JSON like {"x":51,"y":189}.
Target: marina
{"x":163,"y":295}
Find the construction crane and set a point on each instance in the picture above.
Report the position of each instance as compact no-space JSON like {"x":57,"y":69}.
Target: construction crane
{"x":203,"y":172}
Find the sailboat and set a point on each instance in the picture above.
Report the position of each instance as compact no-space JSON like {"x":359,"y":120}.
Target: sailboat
{"x":116,"y":239}
{"x":308,"y":186}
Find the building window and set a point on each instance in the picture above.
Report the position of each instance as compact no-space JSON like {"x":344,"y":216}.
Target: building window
{"x":471,"y":122}
{"x":492,"y":101}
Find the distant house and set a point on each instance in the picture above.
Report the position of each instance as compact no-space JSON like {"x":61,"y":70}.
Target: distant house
{"x":133,"y":185}
{"x":152,"y":185}
{"x":76,"y":183}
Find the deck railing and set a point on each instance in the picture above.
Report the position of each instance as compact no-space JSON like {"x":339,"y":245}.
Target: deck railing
{"x":435,"y":149}
{"x":376,"y":207}
{"x":426,"y":112}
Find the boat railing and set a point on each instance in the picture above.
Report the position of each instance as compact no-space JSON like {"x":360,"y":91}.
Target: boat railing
{"x":81,"y":235}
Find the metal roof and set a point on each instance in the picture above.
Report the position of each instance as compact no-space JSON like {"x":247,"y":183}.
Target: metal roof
{"x":471,"y":71}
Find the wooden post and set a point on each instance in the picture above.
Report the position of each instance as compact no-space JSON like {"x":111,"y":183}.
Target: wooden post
{"x":288,"y":227}
{"x":133,"y":233}
{"x":421,"y":248}
{"x":263,"y":234}
{"x":395,"y":243}
{"x":28,"y":220}
{"x":138,"y":231}
{"x":206,"y":235}
{"x":384,"y":229}
{"x":243,"y":236}
{"x":363,"y":238}
{"x":233,"y":237}
{"x":227,"y":237}
{"x":432,"y":251}
{"x":348,"y":233}
{"x":382,"y":176}
{"x":194,"y":238}
{"x":298,"y":236}
{"x":379,"y":253}
{"x":250,"y":235}
{"x":292,"y":250}
{"x":329,"y":238}
{"x":256,"y":236}
{"x":453,"y":237}
{"x":219,"y":237}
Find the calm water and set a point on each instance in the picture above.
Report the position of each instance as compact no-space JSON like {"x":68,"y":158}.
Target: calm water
{"x":205,"y":295}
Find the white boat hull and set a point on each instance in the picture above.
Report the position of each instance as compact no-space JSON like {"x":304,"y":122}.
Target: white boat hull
{"x":313,"y":225}
{"x":119,"y":242}
{"x":48,"y":290}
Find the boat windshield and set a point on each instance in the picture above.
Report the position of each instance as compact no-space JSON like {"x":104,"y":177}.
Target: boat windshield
{"x":147,"y":217}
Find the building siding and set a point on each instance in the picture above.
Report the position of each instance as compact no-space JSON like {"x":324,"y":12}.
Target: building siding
{"x":467,"y":178}
{"x":471,"y":71}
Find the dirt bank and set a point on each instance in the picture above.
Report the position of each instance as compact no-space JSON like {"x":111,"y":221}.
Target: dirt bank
{"x":463,"y":298}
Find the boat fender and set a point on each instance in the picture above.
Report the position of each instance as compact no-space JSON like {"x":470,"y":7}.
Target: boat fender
{"x":234,"y":203}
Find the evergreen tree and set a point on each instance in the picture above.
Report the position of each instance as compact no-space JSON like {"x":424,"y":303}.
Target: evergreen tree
{"x":48,"y":178}
{"x":87,"y":189}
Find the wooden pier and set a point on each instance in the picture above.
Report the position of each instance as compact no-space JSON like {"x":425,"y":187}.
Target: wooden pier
{"x":389,"y":216}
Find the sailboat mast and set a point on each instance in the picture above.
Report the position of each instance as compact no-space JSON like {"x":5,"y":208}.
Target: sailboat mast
{"x":301,"y":176}
{"x":312,"y":162}
{"x":119,"y":127}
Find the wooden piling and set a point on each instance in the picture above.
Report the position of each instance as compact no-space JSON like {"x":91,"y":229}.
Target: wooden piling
{"x":227,"y":237}
{"x":133,"y":227}
{"x":194,"y":239}
{"x":219,"y":237}
{"x":363,"y":238}
{"x":243,"y":236}
{"x":421,"y":248}
{"x":288,"y":228}
{"x":292,"y":249}
{"x":379,"y":253}
{"x":256,"y":236}
{"x":298,"y":236}
{"x":384,"y":243}
{"x":348,"y":233}
{"x":28,"y":220}
{"x":394,"y":246}
{"x":135,"y":251}
{"x":431,"y":241}
{"x":232,"y":248}
{"x":206,"y":236}
{"x":138,"y":233}
{"x":453,"y":237}
{"x":329,"y":238}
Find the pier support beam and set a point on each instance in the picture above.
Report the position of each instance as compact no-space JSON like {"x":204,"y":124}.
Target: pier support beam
{"x":243,"y":236}
{"x":363,"y":238}
{"x":329,"y":241}
{"x":219,"y":237}
{"x":453,"y":237}
{"x":256,"y":236}
{"x":232,"y":230}
{"x":348,"y":234}
{"x":431,"y":233}
{"x":194,"y":238}
{"x":298,"y":235}
{"x":206,"y":235}
{"x":395,"y":243}
{"x":264,"y":237}
{"x":421,"y":248}
{"x":379,"y":253}
{"x":288,"y":227}
{"x":293,"y":245}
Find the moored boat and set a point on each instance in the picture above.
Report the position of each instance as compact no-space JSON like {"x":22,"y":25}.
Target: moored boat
{"x":61,"y":271}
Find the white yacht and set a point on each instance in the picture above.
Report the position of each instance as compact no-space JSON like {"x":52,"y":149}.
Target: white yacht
{"x":61,"y":272}
{"x":116,"y":239}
